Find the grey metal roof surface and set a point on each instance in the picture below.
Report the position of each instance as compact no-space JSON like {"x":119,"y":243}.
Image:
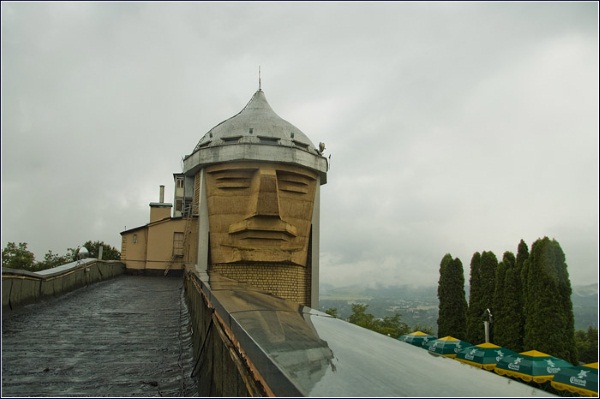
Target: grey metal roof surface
{"x":256,"y":133}
{"x":257,"y":123}
{"x":304,"y":352}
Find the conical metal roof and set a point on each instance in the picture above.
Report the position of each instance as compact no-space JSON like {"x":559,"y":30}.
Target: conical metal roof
{"x":256,"y":133}
{"x":257,"y":123}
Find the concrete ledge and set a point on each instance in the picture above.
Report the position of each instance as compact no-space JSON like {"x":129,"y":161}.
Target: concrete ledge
{"x":255,"y":152}
{"x":20,"y":287}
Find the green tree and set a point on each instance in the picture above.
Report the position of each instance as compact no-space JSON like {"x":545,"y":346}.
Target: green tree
{"x":510,"y":332}
{"x":389,"y":325}
{"x":481,"y":295}
{"x":71,"y":255}
{"x":108,"y":252}
{"x":549,"y":317}
{"x":587,"y":345}
{"x":474,"y":321}
{"x":332,"y":312}
{"x":522,"y":253}
{"x":502,"y":318}
{"x":360,"y":317}
{"x":452,"y":314}
{"x":51,"y":260}
{"x":17,"y":257}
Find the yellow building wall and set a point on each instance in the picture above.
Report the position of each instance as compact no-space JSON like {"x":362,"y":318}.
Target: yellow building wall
{"x":190,"y":246}
{"x":160,"y":244}
{"x":133,"y":249}
{"x":159,"y":212}
{"x":151,"y":246}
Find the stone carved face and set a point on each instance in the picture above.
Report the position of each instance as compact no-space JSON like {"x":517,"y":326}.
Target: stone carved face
{"x":259,"y":212}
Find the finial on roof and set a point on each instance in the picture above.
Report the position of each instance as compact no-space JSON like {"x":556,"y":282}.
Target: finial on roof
{"x":259,"y":77}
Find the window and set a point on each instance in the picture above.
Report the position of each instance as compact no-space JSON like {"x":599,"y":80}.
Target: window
{"x":300,"y":144}
{"x":135,"y":238}
{"x":177,"y":244}
{"x":268,"y":140}
{"x":231,"y":139}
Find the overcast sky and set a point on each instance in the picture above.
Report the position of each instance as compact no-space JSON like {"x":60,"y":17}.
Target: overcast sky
{"x":452,"y":127}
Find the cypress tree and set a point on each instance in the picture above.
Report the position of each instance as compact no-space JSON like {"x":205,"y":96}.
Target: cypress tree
{"x":522,"y":254}
{"x":524,"y":295}
{"x":502,"y":319}
{"x":514,"y":294}
{"x":481,"y":296}
{"x":509,"y":332}
{"x":452,"y":303}
{"x":549,"y":320}
{"x":473,"y":320}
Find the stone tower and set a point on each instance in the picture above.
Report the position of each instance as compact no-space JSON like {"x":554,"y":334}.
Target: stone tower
{"x":256,"y":180}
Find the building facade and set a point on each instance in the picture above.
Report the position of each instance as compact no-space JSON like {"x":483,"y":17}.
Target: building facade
{"x":159,"y":246}
{"x":246,"y":207}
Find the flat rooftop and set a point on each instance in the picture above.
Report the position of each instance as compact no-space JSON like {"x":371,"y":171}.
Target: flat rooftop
{"x":127,"y":336}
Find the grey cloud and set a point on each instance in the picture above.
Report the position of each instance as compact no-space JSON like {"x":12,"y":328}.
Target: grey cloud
{"x":453,"y":127}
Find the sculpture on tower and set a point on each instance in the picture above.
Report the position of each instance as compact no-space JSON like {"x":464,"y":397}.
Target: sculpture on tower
{"x":256,"y":180}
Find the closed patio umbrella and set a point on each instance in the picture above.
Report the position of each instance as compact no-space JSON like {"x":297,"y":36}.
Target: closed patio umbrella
{"x":484,"y":356}
{"x":582,"y":380}
{"x":447,"y":346}
{"x":531,"y":366}
{"x":417,"y":338}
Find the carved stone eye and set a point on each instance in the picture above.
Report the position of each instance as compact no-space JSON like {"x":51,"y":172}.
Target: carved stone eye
{"x":234,"y":179}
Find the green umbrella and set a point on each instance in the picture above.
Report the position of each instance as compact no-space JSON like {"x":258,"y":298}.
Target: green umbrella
{"x":484,"y":356}
{"x":417,"y":338}
{"x":531,"y":366}
{"x":582,"y":380}
{"x":447,"y":346}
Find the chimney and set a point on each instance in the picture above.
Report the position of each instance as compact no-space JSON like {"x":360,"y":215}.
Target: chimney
{"x":160,"y":210}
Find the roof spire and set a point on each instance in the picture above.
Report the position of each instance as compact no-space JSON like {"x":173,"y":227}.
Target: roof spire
{"x":259,"y":78}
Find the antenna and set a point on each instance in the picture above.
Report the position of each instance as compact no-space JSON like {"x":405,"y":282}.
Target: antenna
{"x":259,"y":78}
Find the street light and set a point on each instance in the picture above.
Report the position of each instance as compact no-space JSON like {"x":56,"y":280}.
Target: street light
{"x":486,"y":323}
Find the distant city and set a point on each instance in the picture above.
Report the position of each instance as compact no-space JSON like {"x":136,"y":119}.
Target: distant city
{"x":418,"y":306}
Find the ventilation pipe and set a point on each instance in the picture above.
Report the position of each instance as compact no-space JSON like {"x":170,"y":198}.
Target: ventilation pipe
{"x":162,"y":194}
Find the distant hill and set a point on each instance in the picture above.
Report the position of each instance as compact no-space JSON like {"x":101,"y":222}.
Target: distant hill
{"x":585,"y":306}
{"x":418,"y":305}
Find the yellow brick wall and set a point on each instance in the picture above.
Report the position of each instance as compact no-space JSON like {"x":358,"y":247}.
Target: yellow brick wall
{"x":286,"y":281}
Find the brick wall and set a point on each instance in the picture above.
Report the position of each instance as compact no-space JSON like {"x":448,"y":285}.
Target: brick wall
{"x":286,"y":281}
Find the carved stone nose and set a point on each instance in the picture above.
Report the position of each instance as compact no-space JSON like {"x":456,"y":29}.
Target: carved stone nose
{"x":263,"y":220}
{"x":267,"y":201}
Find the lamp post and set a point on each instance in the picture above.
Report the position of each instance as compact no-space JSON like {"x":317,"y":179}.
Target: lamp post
{"x":486,"y":324}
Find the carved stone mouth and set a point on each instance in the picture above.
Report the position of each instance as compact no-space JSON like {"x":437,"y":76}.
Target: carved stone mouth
{"x":263,"y":228}
{"x":264,"y":236}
